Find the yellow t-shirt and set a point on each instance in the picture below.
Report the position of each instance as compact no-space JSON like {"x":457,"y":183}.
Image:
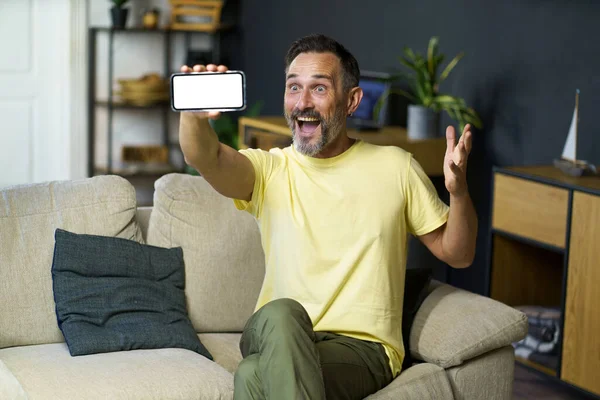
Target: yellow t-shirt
{"x":334,"y":232}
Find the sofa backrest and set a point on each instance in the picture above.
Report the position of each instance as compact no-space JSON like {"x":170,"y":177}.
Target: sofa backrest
{"x":224,"y":260}
{"x":29,"y":215}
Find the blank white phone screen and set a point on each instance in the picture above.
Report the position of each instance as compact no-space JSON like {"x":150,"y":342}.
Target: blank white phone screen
{"x":208,"y":91}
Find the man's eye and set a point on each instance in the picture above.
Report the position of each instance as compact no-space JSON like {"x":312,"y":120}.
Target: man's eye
{"x":293,"y":88}
{"x":320,"y":89}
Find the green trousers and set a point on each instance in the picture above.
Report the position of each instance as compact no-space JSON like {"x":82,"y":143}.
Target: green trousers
{"x":284,"y":359}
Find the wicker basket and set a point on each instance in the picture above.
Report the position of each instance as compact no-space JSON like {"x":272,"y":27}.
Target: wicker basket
{"x":147,"y":90}
{"x":196,"y":15}
{"x":145,"y":154}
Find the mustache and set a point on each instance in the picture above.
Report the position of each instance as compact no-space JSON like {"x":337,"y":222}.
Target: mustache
{"x":305,"y":113}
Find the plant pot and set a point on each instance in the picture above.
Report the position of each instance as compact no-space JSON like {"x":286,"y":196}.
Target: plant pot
{"x":423,"y":122}
{"x":119,"y":17}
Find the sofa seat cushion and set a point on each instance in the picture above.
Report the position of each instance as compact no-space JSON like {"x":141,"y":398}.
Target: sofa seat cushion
{"x":10,"y":387}
{"x":29,"y":216}
{"x":49,"y":372}
{"x":419,"y":382}
{"x":224,"y":260}
{"x":225,"y":348}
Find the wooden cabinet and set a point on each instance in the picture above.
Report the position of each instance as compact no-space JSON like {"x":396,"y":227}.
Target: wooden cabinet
{"x":545,"y":251}
{"x":581,"y":343}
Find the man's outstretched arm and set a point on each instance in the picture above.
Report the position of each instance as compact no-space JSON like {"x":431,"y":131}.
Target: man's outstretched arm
{"x":224,"y":168}
{"x":454,"y":242}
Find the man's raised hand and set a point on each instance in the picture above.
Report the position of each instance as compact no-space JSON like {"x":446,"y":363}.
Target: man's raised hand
{"x":455,"y":161}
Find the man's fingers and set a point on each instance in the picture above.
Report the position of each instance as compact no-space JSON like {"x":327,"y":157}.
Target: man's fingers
{"x":460,"y":154}
{"x":453,"y":167}
{"x":203,"y":68}
{"x":450,"y":138}
{"x":467,"y":128}
{"x":468,"y":141}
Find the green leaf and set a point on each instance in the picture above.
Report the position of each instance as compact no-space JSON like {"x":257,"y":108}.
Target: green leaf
{"x":254,"y":109}
{"x":450,"y":66}
{"x":385,"y":95}
{"x":409,"y":54}
{"x":431,"y":52}
{"x":409,"y":64}
{"x":449,"y":100}
{"x":401,"y":75}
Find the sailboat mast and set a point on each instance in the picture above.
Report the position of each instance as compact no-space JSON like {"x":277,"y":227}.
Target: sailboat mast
{"x":576,"y":125}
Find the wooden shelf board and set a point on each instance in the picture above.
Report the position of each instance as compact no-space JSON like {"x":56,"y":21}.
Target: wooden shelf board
{"x":132,"y":172}
{"x":221,"y":27}
{"x":528,"y":241}
{"x":534,"y":365}
{"x":128,"y":106}
{"x":551,"y":175}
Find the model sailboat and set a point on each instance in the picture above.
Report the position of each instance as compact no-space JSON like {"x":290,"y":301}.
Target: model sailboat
{"x":569,"y":163}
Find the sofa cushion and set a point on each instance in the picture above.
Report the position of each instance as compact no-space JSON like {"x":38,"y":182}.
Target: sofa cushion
{"x":29,"y":215}
{"x":225,"y":348}
{"x":224,"y":261}
{"x":10,"y":388}
{"x":49,"y":372}
{"x":420,"y":382}
{"x":116,"y":294}
{"x":454,"y":325}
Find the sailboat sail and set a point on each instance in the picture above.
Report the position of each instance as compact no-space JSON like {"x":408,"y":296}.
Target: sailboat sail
{"x":570,"y":149}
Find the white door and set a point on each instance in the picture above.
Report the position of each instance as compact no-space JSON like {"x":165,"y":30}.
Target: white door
{"x":36,"y":91}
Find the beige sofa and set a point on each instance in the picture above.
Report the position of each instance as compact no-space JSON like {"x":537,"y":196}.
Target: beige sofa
{"x":463,"y":340}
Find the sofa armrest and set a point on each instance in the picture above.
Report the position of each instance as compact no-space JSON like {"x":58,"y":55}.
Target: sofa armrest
{"x":453,"y":325}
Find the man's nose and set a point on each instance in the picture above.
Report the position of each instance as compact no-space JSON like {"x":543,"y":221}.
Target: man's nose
{"x":304,"y":101}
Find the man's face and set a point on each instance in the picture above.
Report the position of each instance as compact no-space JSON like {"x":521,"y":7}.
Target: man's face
{"x":314,"y":102}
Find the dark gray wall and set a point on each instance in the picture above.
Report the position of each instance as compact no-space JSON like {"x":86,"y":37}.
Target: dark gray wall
{"x":524,"y":60}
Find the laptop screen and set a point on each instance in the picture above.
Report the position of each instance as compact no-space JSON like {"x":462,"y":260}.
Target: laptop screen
{"x":373,"y":88}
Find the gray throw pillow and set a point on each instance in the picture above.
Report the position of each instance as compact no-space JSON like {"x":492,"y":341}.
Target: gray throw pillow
{"x":115,"y":294}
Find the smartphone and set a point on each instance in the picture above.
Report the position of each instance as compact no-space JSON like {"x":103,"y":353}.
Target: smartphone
{"x":208,"y":91}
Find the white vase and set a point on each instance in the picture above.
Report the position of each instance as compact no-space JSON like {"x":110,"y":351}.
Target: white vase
{"x":423,"y":122}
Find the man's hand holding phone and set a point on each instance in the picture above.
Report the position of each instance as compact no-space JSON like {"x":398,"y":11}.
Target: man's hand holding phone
{"x":208,"y":90}
{"x":201,"y":68}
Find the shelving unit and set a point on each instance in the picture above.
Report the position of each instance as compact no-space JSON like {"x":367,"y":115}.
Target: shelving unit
{"x":112,"y":105}
{"x":544,"y":252}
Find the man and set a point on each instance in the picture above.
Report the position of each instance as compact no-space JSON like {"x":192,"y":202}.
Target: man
{"x":334,"y":215}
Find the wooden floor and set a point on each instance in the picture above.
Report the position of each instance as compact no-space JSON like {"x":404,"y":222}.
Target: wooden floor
{"x":532,"y":385}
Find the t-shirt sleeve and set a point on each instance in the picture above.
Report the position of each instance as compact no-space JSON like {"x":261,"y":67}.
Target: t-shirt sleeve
{"x":425,"y":211}
{"x":262,"y":162}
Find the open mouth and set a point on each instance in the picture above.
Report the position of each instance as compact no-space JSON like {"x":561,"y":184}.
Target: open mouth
{"x":307,"y":125}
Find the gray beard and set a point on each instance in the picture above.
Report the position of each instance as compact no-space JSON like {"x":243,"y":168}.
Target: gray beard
{"x":330,"y":130}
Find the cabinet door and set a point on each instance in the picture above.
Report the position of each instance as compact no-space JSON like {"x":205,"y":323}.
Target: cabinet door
{"x":581,"y":346}
{"x":530,"y":209}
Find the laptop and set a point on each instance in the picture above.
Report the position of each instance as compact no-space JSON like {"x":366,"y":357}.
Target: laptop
{"x":374,"y":85}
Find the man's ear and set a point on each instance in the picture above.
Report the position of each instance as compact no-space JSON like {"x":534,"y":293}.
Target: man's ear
{"x":354,"y":98}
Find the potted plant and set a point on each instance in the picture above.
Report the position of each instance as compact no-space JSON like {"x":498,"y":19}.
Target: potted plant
{"x":119,"y":14}
{"x":427,"y":102}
